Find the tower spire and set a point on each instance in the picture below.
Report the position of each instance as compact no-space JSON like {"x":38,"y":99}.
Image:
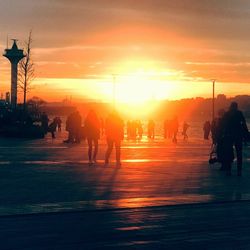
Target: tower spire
{"x":14,"y":55}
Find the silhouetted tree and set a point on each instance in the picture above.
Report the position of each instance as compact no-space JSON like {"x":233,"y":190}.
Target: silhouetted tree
{"x":34,"y":104}
{"x":26,"y":70}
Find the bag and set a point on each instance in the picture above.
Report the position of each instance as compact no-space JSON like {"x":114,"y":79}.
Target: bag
{"x":213,"y":154}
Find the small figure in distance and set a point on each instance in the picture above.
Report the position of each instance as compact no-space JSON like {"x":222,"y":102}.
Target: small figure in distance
{"x":236,"y":129}
{"x":166,"y":129}
{"x":92,"y":128}
{"x":175,"y":127}
{"x":206,"y":129}
{"x":52,"y":127}
{"x":59,"y":123}
{"x":73,"y":126}
{"x":44,"y":122}
{"x":133,"y":130}
{"x":128,"y":130}
{"x":114,"y":135}
{"x":69,"y":128}
{"x":184,"y":130}
{"x":77,"y":126}
{"x":151,"y":129}
{"x":102,"y":129}
{"x":140,"y":129}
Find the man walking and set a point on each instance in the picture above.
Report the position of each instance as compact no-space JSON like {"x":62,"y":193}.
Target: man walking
{"x":236,"y":128}
{"x":114,"y":134}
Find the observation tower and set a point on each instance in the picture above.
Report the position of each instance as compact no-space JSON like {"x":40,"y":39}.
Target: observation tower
{"x":14,"y":55}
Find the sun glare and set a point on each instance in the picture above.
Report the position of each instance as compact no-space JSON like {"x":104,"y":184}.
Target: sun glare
{"x":134,"y":90}
{"x":135,"y":87}
{"x":138,"y":81}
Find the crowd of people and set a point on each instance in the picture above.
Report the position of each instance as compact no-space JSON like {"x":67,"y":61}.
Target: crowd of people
{"x":92,"y":130}
{"x":135,"y":129}
{"x":56,"y":124}
{"x":171,"y":128}
{"x":227,"y":131}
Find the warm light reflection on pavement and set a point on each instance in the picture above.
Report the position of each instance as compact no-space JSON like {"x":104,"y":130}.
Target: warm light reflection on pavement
{"x":49,"y":176}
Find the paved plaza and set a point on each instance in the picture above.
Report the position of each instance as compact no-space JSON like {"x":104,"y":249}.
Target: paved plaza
{"x":164,"y":196}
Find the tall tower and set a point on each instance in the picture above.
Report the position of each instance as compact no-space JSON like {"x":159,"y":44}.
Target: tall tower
{"x":14,"y":55}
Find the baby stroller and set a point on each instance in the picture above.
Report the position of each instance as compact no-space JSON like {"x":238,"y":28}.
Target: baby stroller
{"x":222,"y":151}
{"x":213,"y":154}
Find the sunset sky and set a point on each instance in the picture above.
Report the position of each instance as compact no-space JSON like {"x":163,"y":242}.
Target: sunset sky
{"x":154,"y":49}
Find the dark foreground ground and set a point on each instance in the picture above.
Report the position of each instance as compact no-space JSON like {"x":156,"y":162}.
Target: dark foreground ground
{"x":164,"y":196}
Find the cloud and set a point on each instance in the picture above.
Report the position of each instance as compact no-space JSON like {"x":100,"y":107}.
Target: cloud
{"x":68,"y":20}
{"x":71,"y":36}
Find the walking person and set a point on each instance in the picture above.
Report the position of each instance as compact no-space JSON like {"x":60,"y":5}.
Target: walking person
{"x":77,"y":125}
{"x":114,"y":135}
{"x":166,"y":129}
{"x":207,"y":130}
{"x":52,"y":127}
{"x":175,"y":127}
{"x":235,"y":128}
{"x":140,"y":129}
{"x":59,"y":123}
{"x":44,"y":122}
{"x":184,"y":130}
{"x":73,"y":126}
{"x":222,"y":143}
{"x":69,"y":128}
{"x":128,"y":130}
{"x":151,"y":129}
{"x":92,"y":128}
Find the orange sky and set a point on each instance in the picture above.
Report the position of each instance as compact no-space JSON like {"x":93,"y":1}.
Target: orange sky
{"x":156,"y":49}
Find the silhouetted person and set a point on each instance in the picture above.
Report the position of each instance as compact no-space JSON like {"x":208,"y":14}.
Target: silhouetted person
{"x":102,"y":128}
{"x":77,"y":126}
{"x":92,"y":129}
{"x":140,"y":129}
{"x":167,"y":129}
{"x":73,"y":126}
{"x":114,"y":134}
{"x":174,"y":128}
{"x":235,"y":128}
{"x":44,"y":122}
{"x":217,"y":126}
{"x":151,"y":129}
{"x":206,"y":129}
{"x":184,"y":130}
{"x":133,"y":131}
{"x":69,"y":128}
{"x":222,"y":142}
{"x":52,"y":127}
{"x":128,"y":130}
{"x":59,"y":123}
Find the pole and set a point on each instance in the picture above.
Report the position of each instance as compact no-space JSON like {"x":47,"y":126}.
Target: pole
{"x":213,"y":100}
{"x":114,"y":90}
{"x":14,"y":74}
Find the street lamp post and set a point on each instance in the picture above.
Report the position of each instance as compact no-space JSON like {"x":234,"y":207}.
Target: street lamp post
{"x":114,"y":90}
{"x":213,"y":101}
